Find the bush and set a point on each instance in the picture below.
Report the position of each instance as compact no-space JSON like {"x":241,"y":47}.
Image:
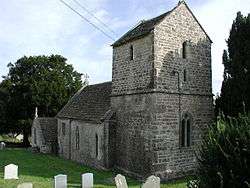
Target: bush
{"x":225,"y":153}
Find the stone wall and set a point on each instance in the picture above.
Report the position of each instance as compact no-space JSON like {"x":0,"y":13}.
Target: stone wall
{"x":170,"y":159}
{"x":129,"y":76}
{"x":134,"y":115}
{"x":169,"y":36}
{"x":44,"y":134}
{"x":86,"y":153}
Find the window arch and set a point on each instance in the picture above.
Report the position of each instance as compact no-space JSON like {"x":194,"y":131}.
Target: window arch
{"x":77,"y":138}
{"x":185,"y":132}
{"x":96,"y":145}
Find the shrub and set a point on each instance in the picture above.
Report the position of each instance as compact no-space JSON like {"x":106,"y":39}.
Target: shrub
{"x":225,"y":153}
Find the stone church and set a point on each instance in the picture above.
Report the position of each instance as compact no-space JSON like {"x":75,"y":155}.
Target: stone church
{"x":154,"y":113}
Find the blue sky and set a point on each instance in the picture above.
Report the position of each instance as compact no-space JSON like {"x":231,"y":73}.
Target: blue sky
{"x":37,"y":27}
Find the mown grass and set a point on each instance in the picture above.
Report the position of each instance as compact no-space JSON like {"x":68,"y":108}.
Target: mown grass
{"x":40,"y":170}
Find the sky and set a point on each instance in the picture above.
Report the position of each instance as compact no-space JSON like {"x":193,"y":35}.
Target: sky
{"x":45,"y":27}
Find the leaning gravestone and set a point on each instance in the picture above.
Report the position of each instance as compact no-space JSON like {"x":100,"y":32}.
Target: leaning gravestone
{"x":120,"y":181}
{"x":11,"y":172}
{"x":87,"y":180}
{"x":152,"y":182}
{"x":2,"y":145}
{"x":61,"y":181}
{"x":25,"y":185}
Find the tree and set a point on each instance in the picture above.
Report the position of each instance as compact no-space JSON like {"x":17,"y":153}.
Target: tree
{"x":46,"y":82}
{"x":235,"y":91}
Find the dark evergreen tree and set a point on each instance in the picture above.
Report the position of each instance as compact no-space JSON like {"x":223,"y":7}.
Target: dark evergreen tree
{"x":235,"y":91}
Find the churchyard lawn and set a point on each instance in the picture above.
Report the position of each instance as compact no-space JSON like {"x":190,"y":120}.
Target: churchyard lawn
{"x":40,"y":169}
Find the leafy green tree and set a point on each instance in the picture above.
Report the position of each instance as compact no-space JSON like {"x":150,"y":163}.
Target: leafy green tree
{"x":235,"y":91}
{"x":46,"y":82}
{"x":224,"y":157}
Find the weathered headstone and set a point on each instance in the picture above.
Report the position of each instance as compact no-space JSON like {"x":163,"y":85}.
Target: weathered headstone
{"x":152,"y":182}
{"x":2,"y":145}
{"x":87,"y":180}
{"x":60,"y":181}
{"x":25,"y":185}
{"x":120,"y":181}
{"x":11,"y":172}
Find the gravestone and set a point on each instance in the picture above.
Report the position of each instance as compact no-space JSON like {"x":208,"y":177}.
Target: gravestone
{"x":152,"y":182}
{"x":11,"y":172}
{"x":120,"y":181}
{"x":2,"y":145}
{"x":25,"y":185}
{"x":87,"y":180}
{"x":60,"y":181}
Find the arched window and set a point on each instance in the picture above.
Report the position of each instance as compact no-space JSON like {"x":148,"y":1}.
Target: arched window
{"x":131,"y":52}
{"x":184,"y":50}
{"x":77,"y":137}
{"x":185,"y":131}
{"x":96,"y":146}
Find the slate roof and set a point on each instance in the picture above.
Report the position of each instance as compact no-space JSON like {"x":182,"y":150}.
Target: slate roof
{"x":49,"y":128}
{"x":89,"y":104}
{"x":145,"y":27}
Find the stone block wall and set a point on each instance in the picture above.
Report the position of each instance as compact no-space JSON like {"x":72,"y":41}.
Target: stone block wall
{"x":169,"y":35}
{"x":86,"y":153}
{"x":129,"y":76}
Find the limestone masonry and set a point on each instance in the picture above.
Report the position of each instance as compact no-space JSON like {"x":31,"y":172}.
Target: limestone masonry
{"x":151,"y":118}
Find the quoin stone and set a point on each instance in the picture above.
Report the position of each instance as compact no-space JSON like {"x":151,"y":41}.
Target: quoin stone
{"x":87,"y":180}
{"x":152,"y":182}
{"x":60,"y":181}
{"x":120,"y":181}
{"x":11,"y":172}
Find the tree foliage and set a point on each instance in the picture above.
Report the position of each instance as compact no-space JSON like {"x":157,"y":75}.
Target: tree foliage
{"x":224,"y":159}
{"x":235,"y":91}
{"x":46,"y":82}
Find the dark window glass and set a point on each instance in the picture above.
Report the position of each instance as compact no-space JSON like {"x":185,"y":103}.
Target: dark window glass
{"x":183,"y":132}
{"x":188,"y":132}
{"x":63,"y":129}
{"x":77,"y":138}
{"x":96,"y":145}
{"x":131,"y":52}
{"x":34,"y":132}
{"x":185,"y":75}
{"x":184,"y":50}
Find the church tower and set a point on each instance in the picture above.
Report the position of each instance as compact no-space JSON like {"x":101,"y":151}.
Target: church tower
{"x":161,"y":94}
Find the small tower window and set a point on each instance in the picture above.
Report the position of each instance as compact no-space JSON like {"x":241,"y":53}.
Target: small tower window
{"x":185,"y":131}
{"x":77,"y":138}
{"x":185,"y":75}
{"x":184,"y":50}
{"x":96,"y":146}
{"x":131,"y":52}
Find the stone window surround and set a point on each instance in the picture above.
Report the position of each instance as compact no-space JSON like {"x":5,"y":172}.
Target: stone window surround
{"x":185,"y":130}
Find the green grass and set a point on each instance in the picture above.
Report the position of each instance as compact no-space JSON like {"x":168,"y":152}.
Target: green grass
{"x":40,"y":170}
